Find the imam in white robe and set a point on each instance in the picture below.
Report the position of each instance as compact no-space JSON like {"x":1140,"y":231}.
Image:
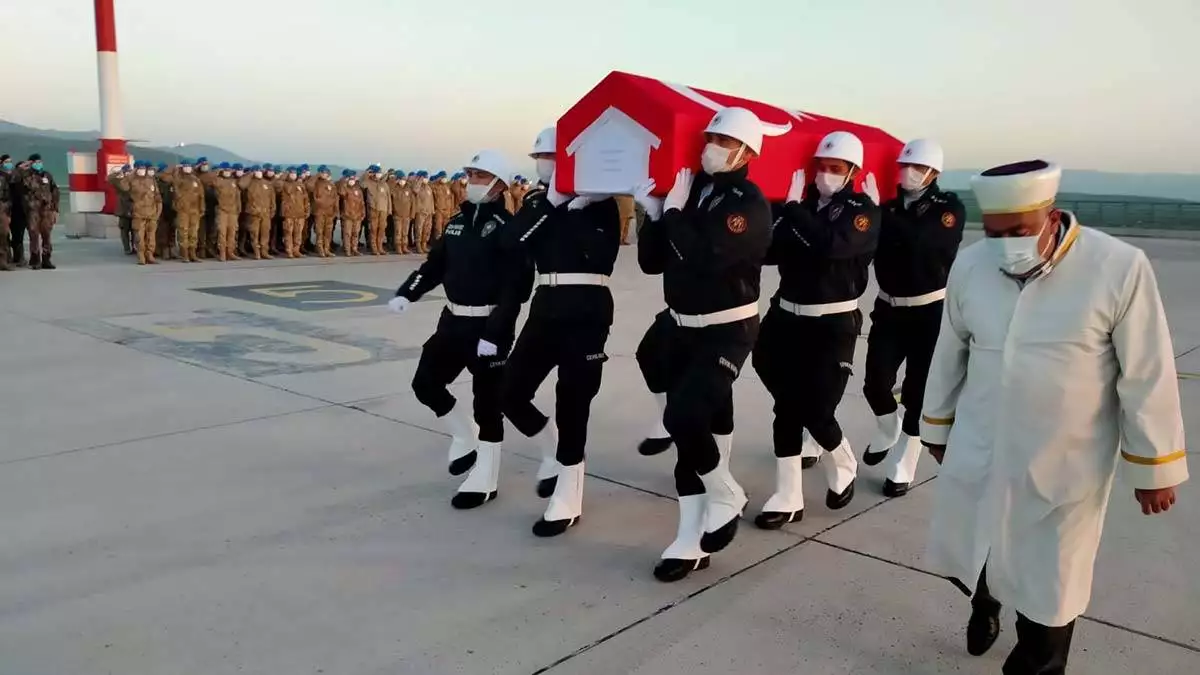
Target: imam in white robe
{"x":1040,"y":393}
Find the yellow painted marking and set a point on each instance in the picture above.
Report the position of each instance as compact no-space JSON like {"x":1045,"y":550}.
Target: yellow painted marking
{"x":295,"y":291}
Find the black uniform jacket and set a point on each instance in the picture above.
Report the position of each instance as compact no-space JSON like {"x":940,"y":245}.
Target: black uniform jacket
{"x":918,"y":243}
{"x":711,"y":253}
{"x":823,"y":255}
{"x":474,"y":268}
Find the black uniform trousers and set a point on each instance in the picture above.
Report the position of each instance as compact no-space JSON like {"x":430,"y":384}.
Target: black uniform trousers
{"x":451,"y":348}
{"x":696,"y":369}
{"x":577,"y":350}
{"x":1040,"y":650}
{"x":900,"y":335}
{"x":805,"y":363}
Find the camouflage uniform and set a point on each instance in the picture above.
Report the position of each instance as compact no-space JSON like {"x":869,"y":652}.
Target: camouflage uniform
{"x":165,"y":234}
{"x":124,"y":211}
{"x":325,"y":210}
{"x":353,"y":210}
{"x":146,"y":199}
{"x":229,"y":205}
{"x":458,"y":190}
{"x":443,"y":207}
{"x":423,"y":213}
{"x":294,"y":207}
{"x":40,"y":194}
{"x":5,"y":218}
{"x":626,"y":212}
{"x":402,"y":213}
{"x":379,"y":205}
{"x":206,"y":239}
{"x":187,"y":195}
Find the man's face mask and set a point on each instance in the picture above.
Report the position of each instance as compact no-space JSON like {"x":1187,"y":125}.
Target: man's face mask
{"x":829,"y":184}
{"x":187,"y":169}
{"x":141,"y":172}
{"x":1019,"y":256}
{"x":912,"y":178}
{"x":37,"y":166}
{"x":151,"y":172}
{"x":7,"y":166}
{"x":258,"y":174}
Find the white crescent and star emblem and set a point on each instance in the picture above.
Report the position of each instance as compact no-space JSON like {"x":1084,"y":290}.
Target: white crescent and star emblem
{"x":835,"y":212}
{"x":488,"y":228}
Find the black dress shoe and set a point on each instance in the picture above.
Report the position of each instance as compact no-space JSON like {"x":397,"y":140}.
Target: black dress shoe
{"x":872,"y":458}
{"x":654,"y":446}
{"x":553,"y":528}
{"x":982,"y":630}
{"x":809,"y":462}
{"x":891,"y":489}
{"x":773,"y":520}
{"x":471,"y":500}
{"x":672,"y":569}
{"x":463,"y":464}
{"x":835,"y":501}
{"x":545,"y":487}
{"x":713,"y":542}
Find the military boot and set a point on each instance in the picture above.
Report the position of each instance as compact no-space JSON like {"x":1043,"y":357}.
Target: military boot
{"x":46,"y":264}
{"x":35,"y":260}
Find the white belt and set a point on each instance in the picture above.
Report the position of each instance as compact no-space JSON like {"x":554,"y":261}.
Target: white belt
{"x":469,"y":310}
{"x":914,"y":301}
{"x":818,"y":310}
{"x":572,"y":279}
{"x":716,"y":318}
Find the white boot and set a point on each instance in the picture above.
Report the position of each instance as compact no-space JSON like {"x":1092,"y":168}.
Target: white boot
{"x":901,"y":468}
{"x":726,"y":500}
{"x":547,"y":473}
{"x":684,"y":556}
{"x":787,"y":504}
{"x":566,"y":504}
{"x":658,"y":440}
{"x":887,"y":431}
{"x":840,"y":471}
{"x":480,"y":487}
{"x":460,"y":424}
{"x":810,"y":450}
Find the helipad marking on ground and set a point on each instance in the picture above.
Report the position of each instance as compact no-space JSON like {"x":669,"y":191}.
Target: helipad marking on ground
{"x":242,"y":343}
{"x":305,"y":296}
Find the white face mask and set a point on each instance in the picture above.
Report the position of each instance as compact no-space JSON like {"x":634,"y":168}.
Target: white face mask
{"x":912,"y":179}
{"x":402,"y":182}
{"x":141,"y":172}
{"x":187,"y":169}
{"x":545,"y":170}
{"x":258,"y":174}
{"x":715,"y":159}
{"x":1018,"y":256}
{"x":353,"y":181}
{"x":151,"y":172}
{"x":477,"y":193}
{"x":829,"y":184}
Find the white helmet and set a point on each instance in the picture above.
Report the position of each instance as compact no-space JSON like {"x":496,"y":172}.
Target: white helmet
{"x":923,"y":152}
{"x":492,"y":162}
{"x":739,"y":124}
{"x":544,"y":142}
{"x":841,"y":145}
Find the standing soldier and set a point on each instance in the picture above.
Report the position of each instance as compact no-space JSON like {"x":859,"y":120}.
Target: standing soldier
{"x":922,"y":229}
{"x":40,"y":194}
{"x":294,"y":204}
{"x":124,"y":208}
{"x":6,"y":167}
{"x":709,"y":246}
{"x":187,"y":195}
{"x":458,"y":190}
{"x":206,"y":240}
{"x":823,"y":244}
{"x":402,"y":209}
{"x":353,"y":209}
{"x":574,"y":247}
{"x":379,"y":205}
{"x":325,"y":210}
{"x":484,"y":286}
{"x":258,"y":194}
{"x":443,"y":205}
{"x":423,"y":208}
{"x":229,"y":207}
{"x":165,"y":235}
{"x":146,"y":199}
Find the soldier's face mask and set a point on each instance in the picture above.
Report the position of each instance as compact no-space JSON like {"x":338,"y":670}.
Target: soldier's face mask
{"x":829,"y":184}
{"x":912,"y":178}
{"x":477,"y":193}
{"x":353,"y":181}
{"x":545,"y":170}
{"x":140,"y":172}
{"x":8,"y":166}
{"x":151,"y":172}
{"x":258,"y":174}
{"x":403,"y":182}
{"x":37,"y":166}
{"x":187,"y":169}
{"x":226,"y":174}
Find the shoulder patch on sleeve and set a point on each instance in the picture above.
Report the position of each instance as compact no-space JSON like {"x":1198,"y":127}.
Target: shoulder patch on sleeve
{"x":948,"y":220}
{"x":862,"y":222}
{"x":736,"y":223}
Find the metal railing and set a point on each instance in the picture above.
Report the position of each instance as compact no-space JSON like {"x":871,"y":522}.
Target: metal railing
{"x":1119,"y":213}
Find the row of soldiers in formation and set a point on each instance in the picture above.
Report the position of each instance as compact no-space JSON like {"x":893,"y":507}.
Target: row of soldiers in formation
{"x":28,"y":203}
{"x":195,"y":210}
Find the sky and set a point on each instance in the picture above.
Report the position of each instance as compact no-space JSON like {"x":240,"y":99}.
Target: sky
{"x":1093,"y":84}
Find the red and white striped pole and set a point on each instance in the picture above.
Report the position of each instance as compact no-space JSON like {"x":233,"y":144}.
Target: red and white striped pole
{"x":112,"y":133}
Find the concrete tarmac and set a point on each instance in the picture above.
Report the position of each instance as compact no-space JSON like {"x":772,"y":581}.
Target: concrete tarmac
{"x":239,"y":480}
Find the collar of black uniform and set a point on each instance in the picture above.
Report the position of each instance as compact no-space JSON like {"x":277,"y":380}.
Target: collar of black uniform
{"x":812,"y":194}
{"x":931,"y":190}
{"x":735,"y":176}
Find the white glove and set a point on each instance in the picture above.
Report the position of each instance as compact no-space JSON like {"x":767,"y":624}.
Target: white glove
{"x":486,"y":348}
{"x":796,"y":191}
{"x":555,"y":197}
{"x":398,"y":304}
{"x":580,"y":202}
{"x":678,"y":195}
{"x":870,"y":188}
{"x":652,"y":205}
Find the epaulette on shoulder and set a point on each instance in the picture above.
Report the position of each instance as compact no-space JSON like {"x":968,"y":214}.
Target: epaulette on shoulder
{"x":851,"y":201}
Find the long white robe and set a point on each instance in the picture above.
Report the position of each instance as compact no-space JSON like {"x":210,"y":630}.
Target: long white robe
{"x":1040,"y":393}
